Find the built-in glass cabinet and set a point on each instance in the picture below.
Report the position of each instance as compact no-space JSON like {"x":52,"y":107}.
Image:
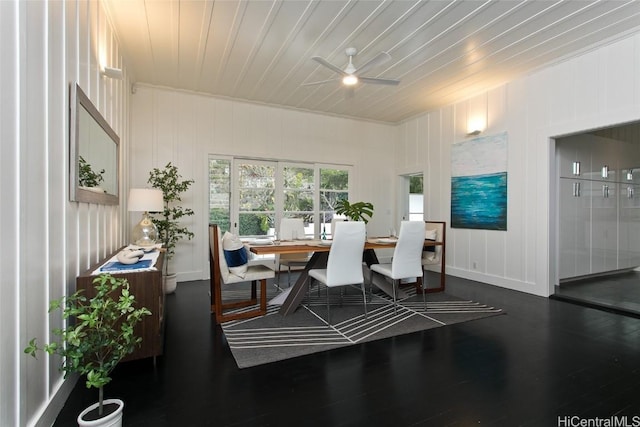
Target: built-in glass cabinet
{"x":598,"y":176}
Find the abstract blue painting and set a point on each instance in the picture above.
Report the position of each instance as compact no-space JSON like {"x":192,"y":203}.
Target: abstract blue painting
{"x":479,"y":183}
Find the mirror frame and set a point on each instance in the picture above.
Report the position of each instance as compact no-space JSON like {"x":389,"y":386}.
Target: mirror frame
{"x":77,"y":100}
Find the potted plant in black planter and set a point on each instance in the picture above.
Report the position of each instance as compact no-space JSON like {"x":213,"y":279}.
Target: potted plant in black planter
{"x":99,"y":334}
{"x":169,"y":229}
{"x":358,"y":211}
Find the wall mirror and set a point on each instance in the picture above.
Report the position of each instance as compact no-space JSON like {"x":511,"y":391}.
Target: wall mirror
{"x":93,"y":162}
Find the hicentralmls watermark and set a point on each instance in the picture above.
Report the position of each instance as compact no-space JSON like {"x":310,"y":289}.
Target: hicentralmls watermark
{"x":613,"y":421}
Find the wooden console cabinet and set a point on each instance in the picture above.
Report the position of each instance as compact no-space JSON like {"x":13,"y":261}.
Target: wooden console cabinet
{"x":147,"y":288}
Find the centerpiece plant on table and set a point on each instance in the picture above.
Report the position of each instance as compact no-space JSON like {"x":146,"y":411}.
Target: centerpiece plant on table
{"x":357,"y":211}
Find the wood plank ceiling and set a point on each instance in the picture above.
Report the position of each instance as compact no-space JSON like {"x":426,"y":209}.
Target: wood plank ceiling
{"x":442,"y":51}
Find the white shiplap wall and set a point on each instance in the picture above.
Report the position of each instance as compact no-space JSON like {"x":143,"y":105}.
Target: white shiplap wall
{"x":586,"y":92}
{"x":600,"y":88}
{"x":185,"y":128}
{"x":47,"y":240}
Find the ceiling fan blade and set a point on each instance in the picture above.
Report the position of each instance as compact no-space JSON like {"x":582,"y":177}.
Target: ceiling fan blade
{"x":379,"y":59}
{"x":320,"y":82}
{"x":329,"y":65}
{"x":377,"y":81}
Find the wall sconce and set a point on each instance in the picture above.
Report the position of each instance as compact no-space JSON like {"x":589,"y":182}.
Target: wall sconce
{"x":112,"y":73}
{"x":475,"y":126}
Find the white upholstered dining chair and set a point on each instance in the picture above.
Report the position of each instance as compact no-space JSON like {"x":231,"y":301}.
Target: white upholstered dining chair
{"x":291,"y":229}
{"x":344,"y":265}
{"x":407,"y":257}
{"x":333,"y":225}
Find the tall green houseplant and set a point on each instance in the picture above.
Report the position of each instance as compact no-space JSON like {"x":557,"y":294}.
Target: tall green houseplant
{"x":170,"y":230}
{"x":100,"y":332}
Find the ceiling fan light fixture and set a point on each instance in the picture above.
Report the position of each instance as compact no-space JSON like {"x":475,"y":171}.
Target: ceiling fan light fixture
{"x":349,"y":80}
{"x":352,"y":75}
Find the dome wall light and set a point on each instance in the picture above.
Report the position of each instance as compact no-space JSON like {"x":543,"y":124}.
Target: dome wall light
{"x":475,"y":126}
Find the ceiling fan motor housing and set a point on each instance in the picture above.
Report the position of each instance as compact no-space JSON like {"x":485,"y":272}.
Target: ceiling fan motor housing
{"x":351,"y":51}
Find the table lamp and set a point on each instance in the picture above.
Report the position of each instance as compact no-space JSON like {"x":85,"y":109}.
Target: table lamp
{"x":146,"y":200}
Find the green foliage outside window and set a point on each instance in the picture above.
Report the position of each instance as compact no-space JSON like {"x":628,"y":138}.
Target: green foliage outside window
{"x":220,"y":217}
{"x":299,"y":187}
{"x":334,"y":179}
{"x":255,"y":224}
{"x":416,"y":184}
{"x":220,"y":193}
{"x":334,"y":186}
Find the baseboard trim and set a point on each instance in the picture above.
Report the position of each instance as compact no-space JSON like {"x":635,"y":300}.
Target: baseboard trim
{"x":603,"y":307}
{"x":51,"y":411}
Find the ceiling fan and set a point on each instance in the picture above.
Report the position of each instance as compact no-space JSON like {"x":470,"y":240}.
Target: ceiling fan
{"x":351,"y":75}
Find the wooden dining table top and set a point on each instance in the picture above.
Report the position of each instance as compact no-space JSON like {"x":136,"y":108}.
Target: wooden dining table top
{"x":303,"y":246}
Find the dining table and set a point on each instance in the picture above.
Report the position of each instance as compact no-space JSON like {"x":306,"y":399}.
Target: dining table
{"x":291,"y":298}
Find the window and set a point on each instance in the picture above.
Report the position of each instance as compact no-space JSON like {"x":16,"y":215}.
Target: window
{"x":220,"y":193}
{"x":249,"y":196}
{"x":334,"y":186}
{"x":416,"y":198}
{"x":298,"y":195}
{"x":256,"y":197}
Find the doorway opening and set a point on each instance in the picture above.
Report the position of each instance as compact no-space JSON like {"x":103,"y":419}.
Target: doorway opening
{"x":412,"y":197}
{"x":598,"y":218}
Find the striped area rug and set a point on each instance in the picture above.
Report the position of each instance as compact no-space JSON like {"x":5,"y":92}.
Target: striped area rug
{"x":275,"y":337}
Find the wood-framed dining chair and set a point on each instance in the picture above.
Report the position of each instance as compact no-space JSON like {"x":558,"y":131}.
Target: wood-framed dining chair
{"x":407,"y":258}
{"x":434,"y":255}
{"x":221,"y":276}
{"x":344,"y":264}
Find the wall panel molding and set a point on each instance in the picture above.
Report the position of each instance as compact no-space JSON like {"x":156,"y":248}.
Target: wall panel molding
{"x":45,"y":46}
{"x":586,"y":92}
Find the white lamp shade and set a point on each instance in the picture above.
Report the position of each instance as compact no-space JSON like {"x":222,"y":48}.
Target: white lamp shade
{"x":145,"y":200}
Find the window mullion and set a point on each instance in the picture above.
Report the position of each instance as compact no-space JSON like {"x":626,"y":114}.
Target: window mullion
{"x":316,"y":200}
{"x":235,"y":198}
{"x":279,"y":202}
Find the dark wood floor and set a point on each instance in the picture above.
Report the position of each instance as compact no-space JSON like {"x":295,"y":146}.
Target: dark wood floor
{"x":544,"y":359}
{"x":617,"y":292}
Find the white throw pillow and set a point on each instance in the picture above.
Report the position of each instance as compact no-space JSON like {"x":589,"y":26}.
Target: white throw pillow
{"x":235,"y":254}
{"x":431,"y":235}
